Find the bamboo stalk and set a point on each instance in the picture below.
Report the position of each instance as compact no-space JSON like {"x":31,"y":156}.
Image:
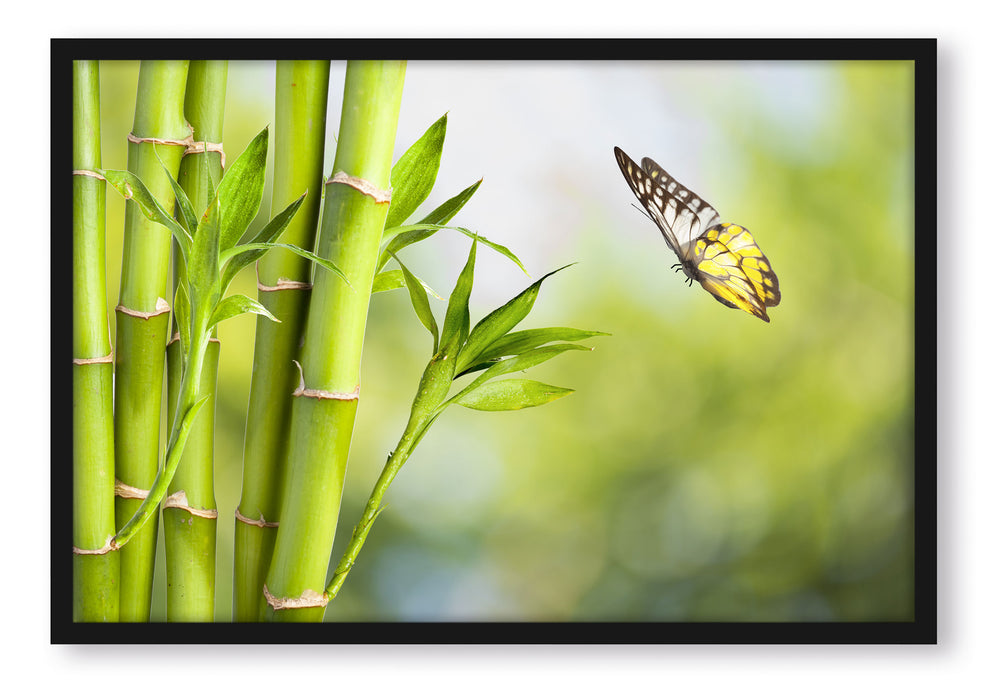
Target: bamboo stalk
{"x":323,"y":417}
{"x":142,"y":323}
{"x":301,"y":89}
{"x":189,"y":513}
{"x":96,"y":569}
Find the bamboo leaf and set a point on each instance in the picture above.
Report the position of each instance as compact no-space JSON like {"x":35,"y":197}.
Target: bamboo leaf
{"x":458,"y":319}
{"x":241,"y":189}
{"x":235,"y":305}
{"x":511,"y":395}
{"x":203,"y":265}
{"x":421,"y":304}
{"x":522,"y":341}
{"x":301,"y":252}
{"x":182,"y":320}
{"x":131,"y":187}
{"x":269,"y":234}
{"x":415,"y":173}
{"x":181,"y":199}
{"x":387,"y":281}
{"x":393,"y":279}
{"x":518,"y":364}
{"x":420,"y":228}
{"x":397,"y":238}
{"x":499,"y":322}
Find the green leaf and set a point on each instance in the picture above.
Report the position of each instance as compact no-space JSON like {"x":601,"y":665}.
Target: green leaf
{"x":270,"y":233}
{"x":241,"y":188}
{"x":301,"y":252}
{"x":182,"y":321}
{"x":518,"y":364}
{"x":182,"y":199}
{"x":522,"y":341}
{"x":397,"y":238}
{"x":499,"y":322}
{"x":235,"y":305}
{"x":421,"y":304}
{"x":511,"y":395}
{"x":387,"y":281}
{"x":393,"y":279}
{"x":415,"y":173}
{"x":458,"y":319}
{"x":500,"y":249}
{"x":203,"y":265}
{"x":130,"y":187}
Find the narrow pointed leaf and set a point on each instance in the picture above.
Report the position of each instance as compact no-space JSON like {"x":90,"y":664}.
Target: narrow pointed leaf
{"x":518,"y":363}
{"x":397,"y":238}
{"x":269,"y":234}
{"x":522,"y":341}
{"x":458,"y":319}
{"x":387,"y":281}
{"x":393,"y":279}
{"x":301,"y":252}
{"x":130,"y":187}
{"x":511,"y":395}
{"x":235,"y":305}
{"x":419,"y":230}
{"x":415,"y":173}
{"x":499,"y":322}
{"x":241,"y":189}
{"x":182,"y":320}
{"x":182,"y":200}
{"x":203,"y":265}
{"x":421,"y":304}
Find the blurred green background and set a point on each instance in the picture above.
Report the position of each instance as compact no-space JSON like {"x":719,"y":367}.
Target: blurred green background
{"x":709,"y":466}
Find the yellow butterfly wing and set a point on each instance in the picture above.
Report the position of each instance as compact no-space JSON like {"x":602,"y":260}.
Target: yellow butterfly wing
{"x":733,"y":269}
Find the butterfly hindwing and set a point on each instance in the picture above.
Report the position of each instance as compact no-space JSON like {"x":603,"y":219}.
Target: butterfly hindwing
{"x":733,"y":269}
{"x":723,"y":257}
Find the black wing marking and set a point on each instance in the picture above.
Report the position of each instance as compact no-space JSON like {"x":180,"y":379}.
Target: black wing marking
{"x":706,"y":213}
{"x":646,"y":192}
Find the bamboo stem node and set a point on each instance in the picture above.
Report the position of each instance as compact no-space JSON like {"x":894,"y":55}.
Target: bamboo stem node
{"x":363,"y":186}
{"x":308,"y":599}
{"x":106,"y":359}
{"x":88,"y":173}
{"x":161,"y":307}
{"x":187,"y":141}
{"x":207,"y":147}
{"x":261,"y":522}
{"x":122,"y":490}
{"x":105,"y":549}
{"x":301,"y":390}
{"x":281,"y":285}
{"x":179,"y":500}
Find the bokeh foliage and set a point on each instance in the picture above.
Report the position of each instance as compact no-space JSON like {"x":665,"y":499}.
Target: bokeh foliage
{"x":709,"y":466}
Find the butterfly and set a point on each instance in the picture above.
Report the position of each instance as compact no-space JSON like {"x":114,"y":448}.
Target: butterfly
{"x":723,"y":257}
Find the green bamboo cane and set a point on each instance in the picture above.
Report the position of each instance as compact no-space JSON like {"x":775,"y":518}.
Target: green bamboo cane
{"x":96,"y":568}
{"x":301,"y":89}
{"x":189,"y":513}
{"x":325,"y":402}
{"x":142,"y":321}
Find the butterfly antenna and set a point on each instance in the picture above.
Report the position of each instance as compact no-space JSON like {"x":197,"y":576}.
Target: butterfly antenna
{"x":641,"y":211}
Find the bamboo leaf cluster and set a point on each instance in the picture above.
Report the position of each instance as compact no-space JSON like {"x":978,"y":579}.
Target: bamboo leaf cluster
{"x":458,"y":349}
{"x":211,"y":256}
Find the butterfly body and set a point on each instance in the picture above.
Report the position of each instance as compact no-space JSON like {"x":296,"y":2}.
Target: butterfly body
{"x":723,"y":257}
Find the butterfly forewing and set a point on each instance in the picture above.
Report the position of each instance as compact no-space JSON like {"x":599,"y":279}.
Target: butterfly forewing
{"x":646,"y":191}
{"x":677,"y":197}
